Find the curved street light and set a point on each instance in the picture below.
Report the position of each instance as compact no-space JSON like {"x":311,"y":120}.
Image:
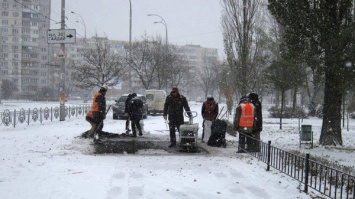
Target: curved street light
{"x":130,"y":46}
{"x":82,"y":22}
{"x":164,"y":23}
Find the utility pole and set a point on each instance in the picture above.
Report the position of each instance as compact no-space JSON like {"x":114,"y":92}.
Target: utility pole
{"x":130,"y":47}
{"x":62,"y":66}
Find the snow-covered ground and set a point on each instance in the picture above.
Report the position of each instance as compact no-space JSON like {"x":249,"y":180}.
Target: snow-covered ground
{"x":49,"y":160}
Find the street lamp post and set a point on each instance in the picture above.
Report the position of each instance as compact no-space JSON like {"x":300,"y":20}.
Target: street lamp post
{"x":0,"y":89}
{"x":166,"y":42}
{"x":164,"y":23}
{"x":82,"y":22}
{"x":130,"y":46}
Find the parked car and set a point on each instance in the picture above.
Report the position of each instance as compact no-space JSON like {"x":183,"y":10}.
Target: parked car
{"x":119,"y":106}
{"x":155,"y":100}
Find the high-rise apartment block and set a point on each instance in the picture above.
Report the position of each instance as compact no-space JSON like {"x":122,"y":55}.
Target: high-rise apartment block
{"x":24,"y":48}
{"x":32,"y":64}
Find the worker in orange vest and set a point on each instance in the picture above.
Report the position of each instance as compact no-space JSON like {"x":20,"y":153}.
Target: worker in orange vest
{"x":97,"y":113}
{"x":244,"y":122}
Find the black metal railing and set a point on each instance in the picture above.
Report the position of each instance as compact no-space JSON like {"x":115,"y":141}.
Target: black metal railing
{"x":14,"y":118}
{"x":331,"y":182}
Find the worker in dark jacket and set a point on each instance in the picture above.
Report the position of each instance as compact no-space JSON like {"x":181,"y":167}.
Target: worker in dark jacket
{"x":174,"y":111}
{"x":258,"y":127}
{"x":97,"y":113}
{"x":126,"y":110}
{"x":136,"y":113}
{"x":209,"y":112}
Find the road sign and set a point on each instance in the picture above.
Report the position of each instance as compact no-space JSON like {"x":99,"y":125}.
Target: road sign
{"x":59,"y":36}
{"x":60,"y":54}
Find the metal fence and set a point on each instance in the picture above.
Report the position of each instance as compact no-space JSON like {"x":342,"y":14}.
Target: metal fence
{"x":14,"y":118}
{"x":322,"y":178}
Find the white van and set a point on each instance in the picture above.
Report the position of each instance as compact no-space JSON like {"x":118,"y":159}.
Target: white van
{"x":155,"y":100}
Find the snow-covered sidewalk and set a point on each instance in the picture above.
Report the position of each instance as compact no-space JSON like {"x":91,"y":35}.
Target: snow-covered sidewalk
{"x":51,"y":161}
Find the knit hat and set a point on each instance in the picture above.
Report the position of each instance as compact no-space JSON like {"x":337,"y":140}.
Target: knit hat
{"x":253,"y":97}
{"x":104,"y":88}
{"x":244,"y":99}
{"x":210,"y":98}
{"x":175,"y":89}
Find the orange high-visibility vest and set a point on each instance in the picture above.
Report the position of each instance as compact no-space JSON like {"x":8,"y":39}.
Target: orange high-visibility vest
{"x":247,"y":115}
{"x":95,"y":106}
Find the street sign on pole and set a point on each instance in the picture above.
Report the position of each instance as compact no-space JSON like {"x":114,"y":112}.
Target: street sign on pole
{"x":60,"y":36}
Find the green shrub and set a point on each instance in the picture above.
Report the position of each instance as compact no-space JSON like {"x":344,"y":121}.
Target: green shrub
{"x":275,"y":112}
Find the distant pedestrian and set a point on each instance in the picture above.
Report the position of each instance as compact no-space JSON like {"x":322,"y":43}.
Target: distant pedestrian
{"x":244,"y":122}
{"x":136,"y":114}
{"x":126,"y":110}
{"x":97,"y":113}
{"x":209,"y":112}
{"x":258,"y":127}
{"x":174,"y":106}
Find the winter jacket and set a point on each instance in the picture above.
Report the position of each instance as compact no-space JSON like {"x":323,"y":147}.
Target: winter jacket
{"x":136,"y":109}
{"x":174,"y":108}
{"x":98,"y":109}
{"x":254,"y":98}
{"x":209,"y":110}
{"x":244,"y":117}
{"x":128,"y":103}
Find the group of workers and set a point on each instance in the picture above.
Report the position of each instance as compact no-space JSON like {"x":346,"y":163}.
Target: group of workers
{"x":247,"y":120}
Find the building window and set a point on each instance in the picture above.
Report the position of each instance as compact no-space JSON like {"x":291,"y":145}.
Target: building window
{"x":26,"y":55}
{"x":5,"y":30}
{"x":5,"y":22}
{"x":27,"y":31}
{"x":5,"y":5}
{"x":5,"y":13}
{"x":15,"y":47}
{"x":4,"y":38}
{"x":4,"y":55}
{"x":15,"y":14}
{"x":15,"y":31}
{"x":26,"y":23}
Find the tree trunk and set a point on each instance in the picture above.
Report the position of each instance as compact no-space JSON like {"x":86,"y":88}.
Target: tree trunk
{"x":331,"y":126}
{"x":294,"y":102}
{"x":282,"y":107}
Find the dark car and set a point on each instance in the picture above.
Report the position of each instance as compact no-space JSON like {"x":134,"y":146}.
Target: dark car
{"x":118,"y":108}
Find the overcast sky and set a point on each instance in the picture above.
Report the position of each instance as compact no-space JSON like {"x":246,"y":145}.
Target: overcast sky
{"x":188,"y":21}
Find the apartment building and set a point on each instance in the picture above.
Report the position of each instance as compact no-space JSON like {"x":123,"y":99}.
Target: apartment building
{"x":24,"y":48}
{"x":31,"y":63}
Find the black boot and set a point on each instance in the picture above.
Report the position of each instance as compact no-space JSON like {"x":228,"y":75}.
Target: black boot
{"x":172,"y":145}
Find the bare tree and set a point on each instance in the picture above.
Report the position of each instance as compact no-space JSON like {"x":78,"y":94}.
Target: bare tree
{"x":142,"y":61}
{"x":240,"y":24}
{"x":207,"y":78}
{"x":101,"y":65}
{"x":156,"y":64}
